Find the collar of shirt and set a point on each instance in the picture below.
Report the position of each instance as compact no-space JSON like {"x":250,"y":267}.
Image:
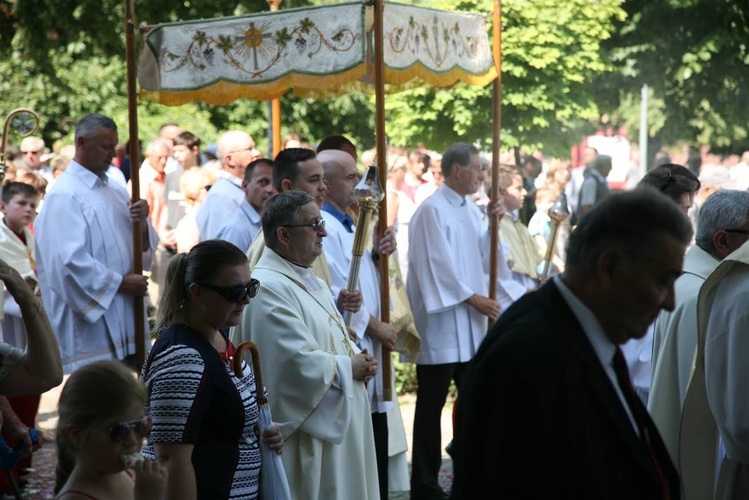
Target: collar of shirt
{"x":250,"y":212}
{"x":344,"y":219}
{"x":602,"y":345}
{"x":89,"y":179}
{"x":452,"y":196}
{"x":230,"y":177}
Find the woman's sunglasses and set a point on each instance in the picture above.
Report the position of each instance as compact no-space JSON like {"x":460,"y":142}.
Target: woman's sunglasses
{"x":235,"y":293}
{"x":122,"y":430}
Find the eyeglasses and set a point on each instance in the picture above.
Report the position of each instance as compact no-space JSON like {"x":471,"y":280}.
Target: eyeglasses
{"x":122,"y":430}
{"x":317,"y":225}
{"x":251,"y":148}
{"x":737,"y":231}
{"x":235,"y":293}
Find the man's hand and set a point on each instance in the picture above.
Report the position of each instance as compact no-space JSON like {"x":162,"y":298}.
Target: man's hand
{"x":385,"y":245}
{"x":495,"y":208}
{"x":274,"y":438}
{"x":384,"y":333}
{"x":139,"y":211}
{"x":349,"y":301}
{"x":364,"y":366}
{"x":134,"y":284}
{"x":486,"y":306}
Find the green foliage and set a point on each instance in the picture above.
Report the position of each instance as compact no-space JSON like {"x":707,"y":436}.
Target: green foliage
{"x":695,"y":57}
{"x":550,"y":53}
{"x":405,"y":376}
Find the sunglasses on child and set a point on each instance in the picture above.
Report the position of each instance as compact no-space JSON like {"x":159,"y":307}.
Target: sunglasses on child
{"x":235,"y":293}
{"x":122,"y":430}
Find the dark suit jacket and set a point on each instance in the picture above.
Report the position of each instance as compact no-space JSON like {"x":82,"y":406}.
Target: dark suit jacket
{"x":538,"y":418}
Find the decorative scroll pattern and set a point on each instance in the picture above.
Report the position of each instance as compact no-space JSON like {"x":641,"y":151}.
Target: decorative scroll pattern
{"x":255,"y":49}
{"x":438,"y":41}
{"x":316,"y":51}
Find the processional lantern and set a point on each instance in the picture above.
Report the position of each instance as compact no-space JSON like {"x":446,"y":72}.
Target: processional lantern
{"x":369,"y":194}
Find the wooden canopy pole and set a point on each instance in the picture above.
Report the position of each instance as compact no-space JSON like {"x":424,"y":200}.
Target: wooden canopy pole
{"x":275,"y":103}
{"x":132,"y":109}
{"x":379,"y":69}
{"x":496,"y":131}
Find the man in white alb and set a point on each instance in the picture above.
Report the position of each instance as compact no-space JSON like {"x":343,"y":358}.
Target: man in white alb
{"x":314,"y":373}
{"x":84,"y":237}
{"x":448,"y":288}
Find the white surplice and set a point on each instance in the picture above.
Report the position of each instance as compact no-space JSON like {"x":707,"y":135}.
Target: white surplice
{"x":716,"y":393}
{"x":84,"y":238}
{"x":20,"y":257}
{"x":674,"y":345}
{"x":305,"y":356}
{"x":448,"y":262}
{"x":222,"y":200}
{"x":727,"y":376}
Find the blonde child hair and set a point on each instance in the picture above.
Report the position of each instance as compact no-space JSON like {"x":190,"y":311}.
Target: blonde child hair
{"x":94,"y":395}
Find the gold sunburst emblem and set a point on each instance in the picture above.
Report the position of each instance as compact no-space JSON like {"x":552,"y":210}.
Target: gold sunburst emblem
{"x":253,"y":40}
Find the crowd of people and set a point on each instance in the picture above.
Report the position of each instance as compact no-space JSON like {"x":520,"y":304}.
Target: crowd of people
{"x":584,"y":371}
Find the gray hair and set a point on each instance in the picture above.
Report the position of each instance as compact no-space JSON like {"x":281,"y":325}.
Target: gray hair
{"x":89,"y":125}
{"x":280,"y":211}
{"x":459,"y":153}
{"x":724,"y":209}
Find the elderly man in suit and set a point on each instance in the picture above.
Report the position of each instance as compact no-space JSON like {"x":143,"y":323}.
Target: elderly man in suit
{"x":547,"y":409}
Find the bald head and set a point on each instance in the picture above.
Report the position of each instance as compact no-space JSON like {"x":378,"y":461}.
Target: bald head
{"x":157,"y":152}
{"x":334,"y":160}
{"x":235,"y":150}
{"x":342,"y":177}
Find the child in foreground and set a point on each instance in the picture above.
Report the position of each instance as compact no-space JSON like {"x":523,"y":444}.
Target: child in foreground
{"x":100,"y":434}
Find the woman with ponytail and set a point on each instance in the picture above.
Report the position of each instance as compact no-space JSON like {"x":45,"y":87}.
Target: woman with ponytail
{"x":204,"y":417}
{"x":99,"y":436}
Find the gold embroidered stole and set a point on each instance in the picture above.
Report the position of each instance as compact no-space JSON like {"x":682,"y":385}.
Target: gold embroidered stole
{"x":524,"y":255}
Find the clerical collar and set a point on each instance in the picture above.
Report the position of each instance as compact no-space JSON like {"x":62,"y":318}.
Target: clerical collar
{"x":309,"y":279}
{"x":344,"y":219}
{"x":295,"y":264}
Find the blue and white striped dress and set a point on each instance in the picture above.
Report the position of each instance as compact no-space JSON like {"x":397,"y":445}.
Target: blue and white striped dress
{"x":195,"y":398}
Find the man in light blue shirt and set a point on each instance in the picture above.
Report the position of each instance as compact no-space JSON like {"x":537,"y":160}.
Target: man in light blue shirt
{"x":244,"y":224}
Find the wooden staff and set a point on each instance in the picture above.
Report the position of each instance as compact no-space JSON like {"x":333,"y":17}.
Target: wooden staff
{"x":275,"y":103}
{"x":132,"y":109}
{"x":496,"y":131}
{"x":559,"y":212}
{"x":379,"y":70}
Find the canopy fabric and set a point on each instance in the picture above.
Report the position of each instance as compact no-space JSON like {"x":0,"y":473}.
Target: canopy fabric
{"x":321,"y":51}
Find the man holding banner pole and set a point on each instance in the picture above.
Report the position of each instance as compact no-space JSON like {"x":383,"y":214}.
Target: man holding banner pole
{"x":84,"y":252}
